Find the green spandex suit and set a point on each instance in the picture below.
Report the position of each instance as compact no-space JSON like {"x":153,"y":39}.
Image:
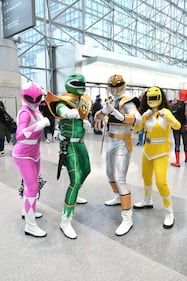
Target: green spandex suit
{"x":72,"y":131}
{"x":77,"y":160}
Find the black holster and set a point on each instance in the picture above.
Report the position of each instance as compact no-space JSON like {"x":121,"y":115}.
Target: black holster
{"x":62,"y":155}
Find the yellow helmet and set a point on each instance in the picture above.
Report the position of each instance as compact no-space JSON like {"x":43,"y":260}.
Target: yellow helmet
{"x":116,"y":84}
{"x":154,"y":97}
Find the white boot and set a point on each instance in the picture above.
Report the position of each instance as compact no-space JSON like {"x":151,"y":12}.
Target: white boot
{"x":114,"y":201}
{"x":147,"y":202}
{"x":31,"y":228}
{"x":81,"y":200}
{"x":38,"y":215}
{"x":126,"y":223}
{"x":143,"y":204}
{"x":67,"y":228}
{"x":169,"y":218}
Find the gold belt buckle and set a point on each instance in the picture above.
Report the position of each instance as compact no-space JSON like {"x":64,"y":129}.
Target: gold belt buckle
{"x":148,"y":140}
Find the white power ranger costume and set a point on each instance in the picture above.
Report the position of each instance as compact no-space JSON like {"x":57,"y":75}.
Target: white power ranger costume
{"x":121,"y":117}
{"x":157,"y":122}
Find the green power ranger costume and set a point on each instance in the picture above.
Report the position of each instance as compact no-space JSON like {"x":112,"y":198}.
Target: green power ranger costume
{"x":71,"y":109}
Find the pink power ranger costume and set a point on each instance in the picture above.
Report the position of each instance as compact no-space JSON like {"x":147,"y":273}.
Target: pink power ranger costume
{"x":26,"y":152}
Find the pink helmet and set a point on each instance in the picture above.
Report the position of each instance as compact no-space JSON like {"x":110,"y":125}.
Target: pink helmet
{"x":31,"y":93}
{"x":183,"y":95}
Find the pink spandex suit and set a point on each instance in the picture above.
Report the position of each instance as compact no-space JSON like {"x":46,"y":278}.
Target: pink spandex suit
{"x":26,"y":152}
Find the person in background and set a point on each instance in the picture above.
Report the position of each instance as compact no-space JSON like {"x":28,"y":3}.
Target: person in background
{"x":157,"y":120}
{"x":97,"y":124}
{"x":26,"y":152}
{"x":46,"y":113}
{"x":72,"y":109}
{"x":121,"y":117}
{"x":179,"y":109}
{"x":141,"y":137}
{"x":141,"y":133}
{"x":5,"y":128}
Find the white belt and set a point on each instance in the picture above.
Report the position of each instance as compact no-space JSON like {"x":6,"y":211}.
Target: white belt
{"x":29,"y":141}
{"x":76,"y":140}
{"x":62,"y":138}
{"x":155,"y":140}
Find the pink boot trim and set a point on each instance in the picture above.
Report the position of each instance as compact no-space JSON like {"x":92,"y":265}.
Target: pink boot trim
{"x":30,"y":202}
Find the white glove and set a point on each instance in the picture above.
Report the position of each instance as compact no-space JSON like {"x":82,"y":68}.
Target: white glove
{"x":70,"y":113}
{"x":44,"y":122}
{"x":148,"y":113}
{"x":118,"y":115}
{"x":86,"y":124}
{"x":162,"y":113}
{"x":166,"y":114}
{"x":107,"y":109}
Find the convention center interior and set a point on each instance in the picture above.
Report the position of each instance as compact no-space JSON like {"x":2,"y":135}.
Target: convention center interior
{"x":110,"y":198}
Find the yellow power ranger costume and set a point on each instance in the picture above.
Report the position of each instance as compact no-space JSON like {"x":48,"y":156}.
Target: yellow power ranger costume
{"x":158,"y":130}
{"x":157,"y":122}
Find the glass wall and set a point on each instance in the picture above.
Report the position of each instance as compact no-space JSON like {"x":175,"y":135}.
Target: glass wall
{"x":151,"y":30}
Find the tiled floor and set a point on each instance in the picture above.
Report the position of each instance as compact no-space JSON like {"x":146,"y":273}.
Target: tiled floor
{"x":147,"y":252}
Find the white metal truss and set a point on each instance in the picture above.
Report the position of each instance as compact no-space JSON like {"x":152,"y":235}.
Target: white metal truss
{"x":151,"y":30}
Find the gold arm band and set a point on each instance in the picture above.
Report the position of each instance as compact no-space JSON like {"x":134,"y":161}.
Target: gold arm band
{"x":129,"y":119}
{"x":125,"y":201}
{"x":99,"y":114}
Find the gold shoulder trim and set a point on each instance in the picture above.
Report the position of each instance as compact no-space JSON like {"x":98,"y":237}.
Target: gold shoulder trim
{"x":52,"y":100}
{"x":124,"y":100}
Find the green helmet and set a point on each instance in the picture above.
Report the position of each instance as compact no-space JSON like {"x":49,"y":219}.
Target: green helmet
{"x":75,"y":84}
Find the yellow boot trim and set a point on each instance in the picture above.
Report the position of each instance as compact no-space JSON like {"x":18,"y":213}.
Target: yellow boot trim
{"x":167,"y":201}
{"x":114,"y":187}
{"x":126,"y":201}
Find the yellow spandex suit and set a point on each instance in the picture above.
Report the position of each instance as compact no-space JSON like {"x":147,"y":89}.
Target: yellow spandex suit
{"x":157,"y":122}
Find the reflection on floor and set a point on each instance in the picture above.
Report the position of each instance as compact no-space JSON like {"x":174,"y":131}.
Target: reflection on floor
{"x":147,"y":252}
